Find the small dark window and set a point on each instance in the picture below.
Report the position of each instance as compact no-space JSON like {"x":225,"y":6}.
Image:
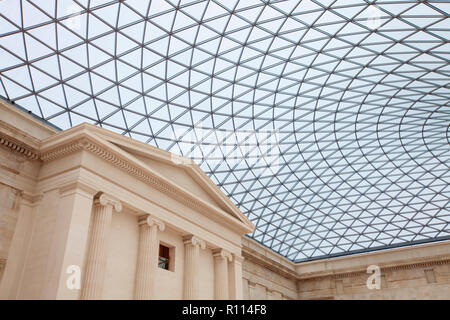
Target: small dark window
{"x":164,"y":257}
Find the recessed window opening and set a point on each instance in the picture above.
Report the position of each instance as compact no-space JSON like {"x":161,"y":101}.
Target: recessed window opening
{"x":165,"y":260}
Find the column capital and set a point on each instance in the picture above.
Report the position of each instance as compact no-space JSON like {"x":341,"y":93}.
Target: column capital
{"x":194,"y":240}
{"x":151,"y":221}
{"x":96,"y":259}
{"x":107,"y":200}
{"x":222,"y":253}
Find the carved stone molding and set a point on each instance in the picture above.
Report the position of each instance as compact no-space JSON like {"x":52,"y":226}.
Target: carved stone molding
{"x":251,"y":283}
{"x":107,"y":200}
{"x":274,"y":292}
{"x":238,"y":259}
{"x":130,"y":168}
{"x":357,"y":273}
{"x":259,"y":259}
{"x":150,"y":221}
{"x":64,"y":150}
{"x":75,"y":186}
{"x":222,"y":253}
{"x":18,"y":147}
{"x":195,"y":241}
{"x":32,"y":198}
{"x":424,"y":264}
{"x":349,"y":274}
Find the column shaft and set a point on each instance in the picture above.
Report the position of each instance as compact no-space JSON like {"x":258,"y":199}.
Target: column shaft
{"x":221,"y":274}
{"x":235,"y":278}
{"x":192,"y":247}
{"x":94,"y":274}
{"x":147,"y":260}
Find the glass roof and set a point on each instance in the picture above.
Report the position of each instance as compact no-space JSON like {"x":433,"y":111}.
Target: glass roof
{"x":326,"y":122}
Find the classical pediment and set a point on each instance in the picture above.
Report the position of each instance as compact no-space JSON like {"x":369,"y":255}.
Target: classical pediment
{"x":176,"y":176}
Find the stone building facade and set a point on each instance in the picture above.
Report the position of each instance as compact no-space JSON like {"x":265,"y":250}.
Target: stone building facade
{"x":89,"y":214}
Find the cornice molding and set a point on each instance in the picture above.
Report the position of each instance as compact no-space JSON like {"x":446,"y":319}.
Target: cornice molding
{"x":252,"y":283}
{"x":260,"y":259}
{"x":357,"y":273}
{"x":18,"y":147}
{"x":77,"y":186}
{"x":254,"y":256}
{"x":65,"y":150}
{"x":88,"y":144}
{"x":160,"y":155}
{"x":238,"y":259}
{"x":424,"y":264}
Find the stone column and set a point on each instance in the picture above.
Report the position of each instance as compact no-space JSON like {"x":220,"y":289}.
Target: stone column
{"x":192,"y":247}
{"x":235,"y":278}
{"x":94,"y":273}
{"x":147,"y":260}
{"x":221,"y":273}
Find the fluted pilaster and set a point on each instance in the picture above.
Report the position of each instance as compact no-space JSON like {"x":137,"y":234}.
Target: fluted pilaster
{"x":221,"y":258}
{"x":192,"y":247}
{"x":235,"y":277}
{"x":147,"y":260}
{"x":94,"y":274}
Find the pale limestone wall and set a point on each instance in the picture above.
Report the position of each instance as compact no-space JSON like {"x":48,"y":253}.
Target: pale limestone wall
{"x":266,"y":275}
{"x":168,"y":281}
{"x":417,"y":272}
{"x":38,"y":267}
{"x":11,"y":164}
{"x":45,"y":215}
{"x":52,"y":185}
{"x":2,"y":268}
{"x":395,"y":284}
{"x":18,"y":170}
{"x":9,"y":207}
{"x":260,"y":283}
{"x":206,"y":270}
{"x":122,"y":257}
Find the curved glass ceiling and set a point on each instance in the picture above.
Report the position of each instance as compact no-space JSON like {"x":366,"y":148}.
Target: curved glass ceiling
{"x":326,"y":122}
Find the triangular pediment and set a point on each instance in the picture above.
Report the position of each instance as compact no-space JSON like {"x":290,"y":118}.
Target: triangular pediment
{"x":182,"y":175}
{"x":176,"y":174}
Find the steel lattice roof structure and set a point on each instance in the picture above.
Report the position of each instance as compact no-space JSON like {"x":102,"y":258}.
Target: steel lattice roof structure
{"x":326,"y":122}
